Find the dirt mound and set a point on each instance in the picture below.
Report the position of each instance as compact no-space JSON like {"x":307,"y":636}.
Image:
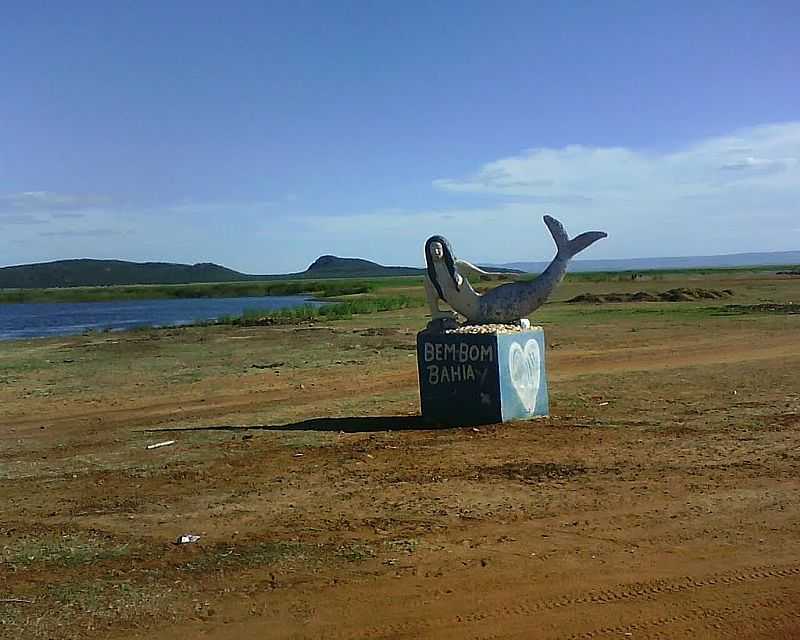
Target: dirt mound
{"x":682,"y":294}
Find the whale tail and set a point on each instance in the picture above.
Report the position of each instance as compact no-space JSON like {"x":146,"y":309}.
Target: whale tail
{"x":566,"y":247}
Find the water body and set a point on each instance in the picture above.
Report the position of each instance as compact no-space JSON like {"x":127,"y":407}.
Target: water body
{"x":38,"y":320}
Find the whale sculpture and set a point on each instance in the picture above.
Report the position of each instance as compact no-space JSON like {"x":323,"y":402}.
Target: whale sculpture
{"x":506,"y":303}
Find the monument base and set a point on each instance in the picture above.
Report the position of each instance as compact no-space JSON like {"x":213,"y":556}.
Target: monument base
{"x":471,"y":378}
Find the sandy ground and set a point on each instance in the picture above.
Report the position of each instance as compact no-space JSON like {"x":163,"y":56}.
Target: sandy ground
{"x":660,"y":499}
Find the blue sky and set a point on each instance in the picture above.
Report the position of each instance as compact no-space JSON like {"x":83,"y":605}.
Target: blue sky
{"x":261,"y":135}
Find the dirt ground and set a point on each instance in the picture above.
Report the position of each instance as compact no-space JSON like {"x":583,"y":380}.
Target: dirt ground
{"x":661,"y":499}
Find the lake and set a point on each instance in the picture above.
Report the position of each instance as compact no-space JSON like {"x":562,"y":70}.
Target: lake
{"x":38,"y":320}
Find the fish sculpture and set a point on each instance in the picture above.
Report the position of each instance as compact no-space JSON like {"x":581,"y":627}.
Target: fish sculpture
{"x":506,"y":303}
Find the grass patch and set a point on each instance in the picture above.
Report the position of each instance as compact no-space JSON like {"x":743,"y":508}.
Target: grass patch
{"x":261,"y":554}
{"x":11,"y":367}
{"x":355,"y":552}
{"x":559,"y":313}
{"x":103,"y":598}
{"x":333,"y":311}
{"x":83,"y":609}
{"x":257,"y":554}
{"x":61,"y":551}
{"x":662,"y":274}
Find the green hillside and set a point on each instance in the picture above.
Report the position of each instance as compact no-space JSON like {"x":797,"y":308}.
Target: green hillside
{"x":91,"y":273}
{"x":104,"y":280}
{"x":88,"y":273}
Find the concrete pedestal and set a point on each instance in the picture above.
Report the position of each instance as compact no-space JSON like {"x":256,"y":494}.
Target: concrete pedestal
{"x":482,"y":378}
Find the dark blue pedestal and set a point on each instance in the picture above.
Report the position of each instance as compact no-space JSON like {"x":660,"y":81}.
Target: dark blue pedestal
{"x":470,"y":379}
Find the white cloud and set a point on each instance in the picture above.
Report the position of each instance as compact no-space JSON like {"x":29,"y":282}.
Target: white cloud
{"x":49,"y":202}
{"x":767,"y":156}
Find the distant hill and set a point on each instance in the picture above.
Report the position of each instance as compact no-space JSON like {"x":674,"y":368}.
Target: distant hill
{"x":774,"y":258}
{"x":334,"y":267}
{"x":88,"y":273}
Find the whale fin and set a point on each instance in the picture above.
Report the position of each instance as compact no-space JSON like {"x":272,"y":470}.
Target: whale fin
{"x":566,"y":247}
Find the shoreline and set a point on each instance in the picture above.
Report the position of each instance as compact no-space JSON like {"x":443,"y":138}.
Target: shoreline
{"x":323,"y":288}
{"x":308,"y":309}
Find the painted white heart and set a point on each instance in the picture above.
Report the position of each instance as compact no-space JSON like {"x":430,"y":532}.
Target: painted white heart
{"x":523,"y":365}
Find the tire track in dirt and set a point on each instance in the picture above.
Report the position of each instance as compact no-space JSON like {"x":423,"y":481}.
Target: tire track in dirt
{"x":528,"y":607}
{"x":726,"y":614}
{"x":722,"y":620}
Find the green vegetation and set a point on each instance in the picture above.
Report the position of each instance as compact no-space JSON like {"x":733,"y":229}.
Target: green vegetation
{"x":355,"y":552}
{"x":87,"y":604}
{"x":788,"y":309}
{"x":334,"y":311}
{"x":91,"y":273}
{"x":255,"y":554}
{"x":65,"y":551}
{"x":328,"y":277}
{"x":317,"y":288}
{"x":114,"y":273}
{"x":260,"y":554}
{"x":559,"y":314}
{"x":663,"y":274}
{"x":102,"y":599}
